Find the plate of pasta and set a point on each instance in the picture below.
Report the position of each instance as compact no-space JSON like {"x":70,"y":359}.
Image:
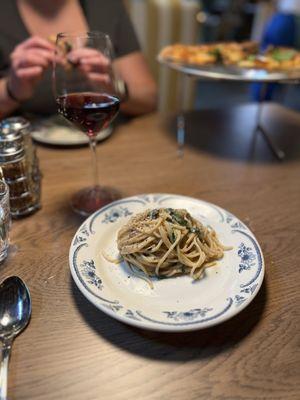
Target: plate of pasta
{"x":166,"y":262}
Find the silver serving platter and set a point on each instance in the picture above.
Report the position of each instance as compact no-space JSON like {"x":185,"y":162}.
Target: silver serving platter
{"x":232,"y":73}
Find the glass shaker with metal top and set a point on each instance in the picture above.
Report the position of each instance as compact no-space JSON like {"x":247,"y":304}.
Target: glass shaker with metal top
{"x":19,"y":166}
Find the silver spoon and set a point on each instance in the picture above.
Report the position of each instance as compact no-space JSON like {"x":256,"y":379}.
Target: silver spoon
{"x":15,"y":311}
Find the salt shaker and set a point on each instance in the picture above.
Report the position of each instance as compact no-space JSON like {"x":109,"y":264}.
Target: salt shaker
{"x":19,"y":166}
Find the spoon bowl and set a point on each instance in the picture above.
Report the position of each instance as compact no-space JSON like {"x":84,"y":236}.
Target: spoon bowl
{"x":15,"y":307}
{"x":15,"y":312}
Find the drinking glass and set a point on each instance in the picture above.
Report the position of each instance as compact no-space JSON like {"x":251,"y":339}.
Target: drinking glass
{"x":5,"y":220}
{"x":86,"y":95}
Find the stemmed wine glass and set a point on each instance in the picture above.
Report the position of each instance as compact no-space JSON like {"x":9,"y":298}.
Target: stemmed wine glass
{"x":85,"y":93}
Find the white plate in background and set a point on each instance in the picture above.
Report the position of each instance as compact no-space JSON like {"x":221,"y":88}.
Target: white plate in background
{"x":57,"y":131}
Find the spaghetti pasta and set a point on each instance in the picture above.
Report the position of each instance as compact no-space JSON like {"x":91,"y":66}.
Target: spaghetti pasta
{"x":166,"y":242}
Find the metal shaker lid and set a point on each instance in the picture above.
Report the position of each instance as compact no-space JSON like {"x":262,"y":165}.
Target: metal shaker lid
{"x":10,"y":138}
{"x":14,"y":126}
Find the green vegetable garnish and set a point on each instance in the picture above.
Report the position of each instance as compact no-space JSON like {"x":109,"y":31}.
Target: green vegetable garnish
{"x":153,"y":214}
{"x":198,"y":232}
{"x":172,"y":237}
{"x":178,"y":218}
{"x":283,"y":55}
{"x":216,"y":53}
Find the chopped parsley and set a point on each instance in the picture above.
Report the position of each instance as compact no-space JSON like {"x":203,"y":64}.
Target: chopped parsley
{"x":198,"y":232}
{"x":252,"y":57}
{"x":172,"y":237}
{"x":216,"y":53}
{"x":177,"y":217}
{"x":153,"y":214}
{"x":283,"y":55}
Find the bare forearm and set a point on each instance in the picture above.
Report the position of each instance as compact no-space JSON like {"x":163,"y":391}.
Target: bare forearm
{"x":7,"y":105}
{"x":142,"y":89}
{"x":142,"y":102}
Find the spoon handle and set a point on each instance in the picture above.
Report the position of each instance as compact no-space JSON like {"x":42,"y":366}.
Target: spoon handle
{"x":6,"y":347}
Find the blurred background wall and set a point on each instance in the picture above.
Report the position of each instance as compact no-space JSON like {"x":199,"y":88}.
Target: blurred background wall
{"x":159,"y":23}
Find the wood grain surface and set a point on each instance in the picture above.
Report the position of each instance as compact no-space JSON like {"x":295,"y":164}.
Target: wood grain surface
{"x":73,"y":351}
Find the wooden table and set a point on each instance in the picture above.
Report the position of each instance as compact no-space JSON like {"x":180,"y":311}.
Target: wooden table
{"x":73,"y":351}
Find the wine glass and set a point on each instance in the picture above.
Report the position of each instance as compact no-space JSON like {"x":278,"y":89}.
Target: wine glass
{"x":85,"y":93}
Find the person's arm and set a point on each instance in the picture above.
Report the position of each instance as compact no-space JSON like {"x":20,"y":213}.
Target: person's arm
{"x":142,"y":90}
{"x":131,"y":66}
{"x":7,"y":104}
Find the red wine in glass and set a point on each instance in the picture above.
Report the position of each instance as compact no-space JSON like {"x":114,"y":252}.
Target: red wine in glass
{"x":90,"y":112}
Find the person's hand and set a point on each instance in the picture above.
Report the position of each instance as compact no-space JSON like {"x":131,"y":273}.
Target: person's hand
{"x":93,"y":64}
{"x":29,"y":60}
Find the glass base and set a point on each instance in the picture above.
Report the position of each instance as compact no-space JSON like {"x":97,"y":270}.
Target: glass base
{"x":90,"y":199}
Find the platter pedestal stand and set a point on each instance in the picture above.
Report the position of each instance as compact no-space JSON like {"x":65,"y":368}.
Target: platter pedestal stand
{"x":228,"y":73}
{"x":278,"y":153}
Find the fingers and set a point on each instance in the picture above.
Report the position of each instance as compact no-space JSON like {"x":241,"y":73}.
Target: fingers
{"x":30,"y":58}
{"x":23,"y":57}
{"x":36,"y":42}
{"x":100,"y":79}
{"x":34,"y":51}
{"x":84,"y":52}
{"x":45,"y":54}
{"x":94,"y":64}
{"x":28,"y":63}
{"x":29,"y":73}
{"x":90,"y":57}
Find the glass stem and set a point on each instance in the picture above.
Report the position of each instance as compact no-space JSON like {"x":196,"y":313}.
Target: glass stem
{"x":93,"y":147}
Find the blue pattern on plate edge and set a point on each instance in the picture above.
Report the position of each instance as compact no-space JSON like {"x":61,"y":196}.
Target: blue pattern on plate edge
{"x":81,"y":236}
{"x":80,"y":276}
{"x":234,"y":224}
{"x":115,"y":213}
{"x":258,"y":257}
{"x":86,"y":272}
{"x":247,"y":257}
{"x":102,"y":210}
{"x":228,"y":306}
{"x":187,"y":315}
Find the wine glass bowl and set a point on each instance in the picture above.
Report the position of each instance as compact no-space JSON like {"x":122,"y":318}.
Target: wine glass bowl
{"x":86,"y":95}
{"x":90,"y":112}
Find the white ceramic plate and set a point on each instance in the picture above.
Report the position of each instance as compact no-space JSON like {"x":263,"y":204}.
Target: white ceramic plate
{"x":59,"y":132}
{"x":175,"y":304}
